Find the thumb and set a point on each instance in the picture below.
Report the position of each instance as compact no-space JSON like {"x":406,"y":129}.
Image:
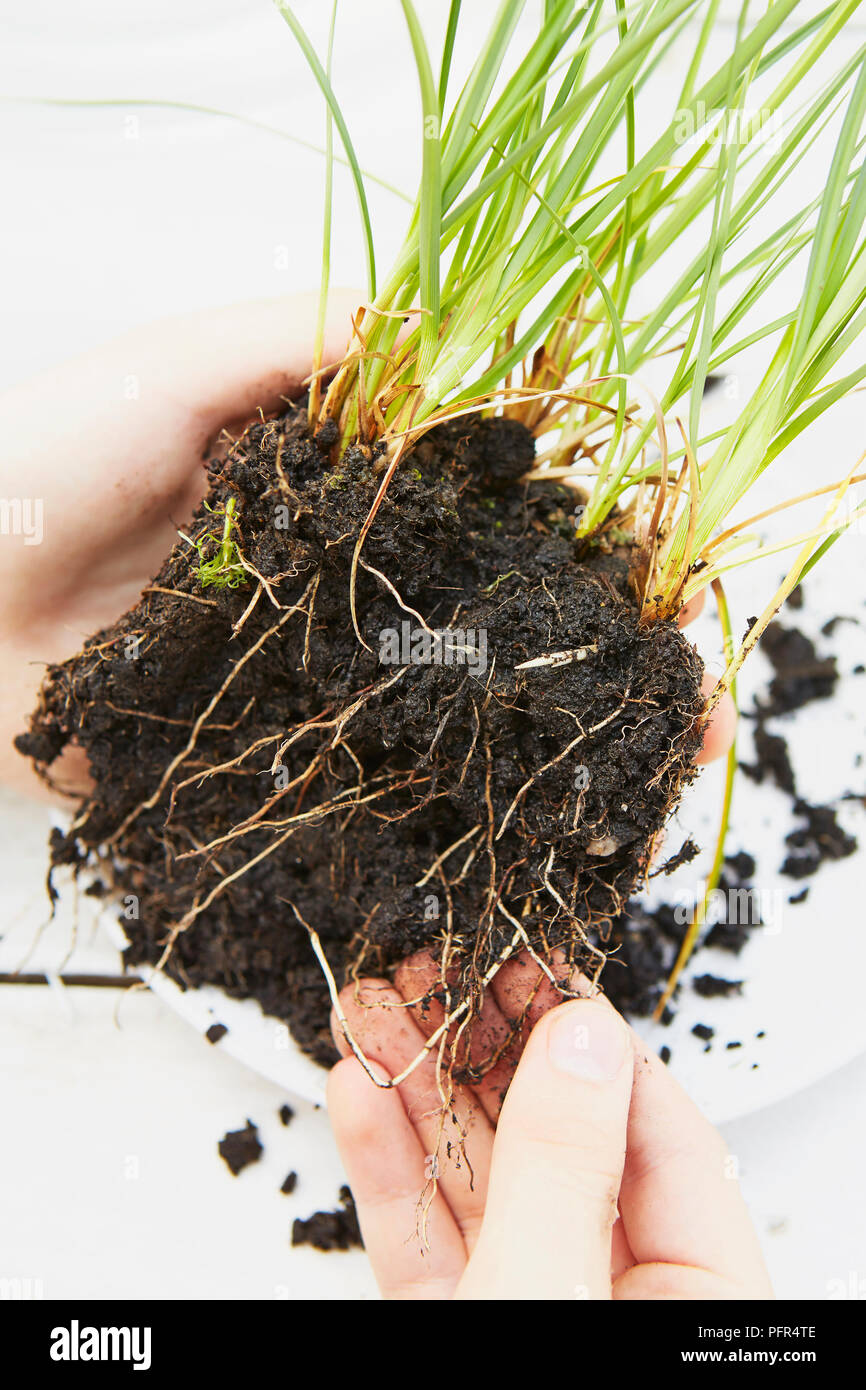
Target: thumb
{"x":557,"y":1162}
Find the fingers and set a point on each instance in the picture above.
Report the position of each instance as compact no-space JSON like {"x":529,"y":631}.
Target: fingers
{"x":721,"y":726}
{"x":557,"y":1162}
{"x":385,"y":1165}
{"x":680,"y":1200}
{"x":524,"y":992}
{"x":692,"y":609}
{"x":490,"y":1039}
{"x":117,"y":464}
{"x":123,"y":441}
{"x":455,"y":1135}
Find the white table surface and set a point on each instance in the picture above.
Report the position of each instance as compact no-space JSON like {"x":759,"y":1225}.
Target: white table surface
{"x":111,"y":1182}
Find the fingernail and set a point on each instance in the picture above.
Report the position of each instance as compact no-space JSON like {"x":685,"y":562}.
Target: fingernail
{"x":588,"y":1040}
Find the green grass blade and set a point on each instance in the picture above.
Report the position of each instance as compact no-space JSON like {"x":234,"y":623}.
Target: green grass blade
{"x":325,"y":281}
{"x":328,"y":92}
{"x":448,"y":53}
{"x":430,"y":200}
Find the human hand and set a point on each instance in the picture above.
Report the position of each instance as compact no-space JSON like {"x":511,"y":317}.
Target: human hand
{"x":112,"y":446}
{"x":599,"y":1178}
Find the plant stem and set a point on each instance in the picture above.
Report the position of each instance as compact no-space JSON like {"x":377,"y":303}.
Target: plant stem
{"x":691,"y":937}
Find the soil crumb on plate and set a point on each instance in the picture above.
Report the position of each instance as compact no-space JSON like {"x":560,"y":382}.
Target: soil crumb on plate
{"x":715,"y":987}
{"x":801,"y":674}
{"x":820,"y":838}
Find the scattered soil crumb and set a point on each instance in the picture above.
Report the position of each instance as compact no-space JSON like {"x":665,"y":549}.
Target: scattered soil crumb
{"x":715,"y":987}
{"x":820,"y":838}
{"x":215,"y":1032}
{"x":704,"y":1031}
{"x":771,"y":761}
{"x":795,"y":597}
{"x":742,"y":863}
{"x":330,"y":1230}
{"x":290,"y":1182}
{"x":831,"y":625}
{"x":801,"y":675}
{"x":687,"y":851}
{"x":241,"y":1147}
{"x":286,"y":1114}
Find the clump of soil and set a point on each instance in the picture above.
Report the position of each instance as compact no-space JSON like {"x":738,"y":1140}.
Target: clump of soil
{"x":771,"y":760}
{"x":241,"y":1147}
{"x":715,"y":986}
{"x":330,"y":1230}
{"x":253,"y":760}
{"x":818,"y":839}
{"x":800,"y":674}
{"x":644,"y":942}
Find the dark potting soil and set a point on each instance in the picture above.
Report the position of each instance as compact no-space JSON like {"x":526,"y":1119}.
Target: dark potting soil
{"x":800,"y":674}
{"x":330,"y":1230}
{"x":715,"y":986}
{"x":818,"y":839}
{"x":252,"y":758}
{"x":326,"y":1230}
{"x":772,"y":761}
{"x":241,"y":1147}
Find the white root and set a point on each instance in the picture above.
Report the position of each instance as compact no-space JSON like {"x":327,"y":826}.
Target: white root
{"x":558,"y":658}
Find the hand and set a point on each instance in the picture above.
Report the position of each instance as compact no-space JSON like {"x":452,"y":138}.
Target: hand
{"x":600,"y":1180}
{"x":112,"y":446}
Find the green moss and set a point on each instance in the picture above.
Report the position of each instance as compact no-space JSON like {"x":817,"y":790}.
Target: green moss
{"x":222,"y":570}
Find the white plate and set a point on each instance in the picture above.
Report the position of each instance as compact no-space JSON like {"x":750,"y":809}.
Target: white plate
{"x":253,"y":1038}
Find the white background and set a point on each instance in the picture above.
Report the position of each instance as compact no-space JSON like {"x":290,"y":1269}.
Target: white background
{"x":115,"y":215}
